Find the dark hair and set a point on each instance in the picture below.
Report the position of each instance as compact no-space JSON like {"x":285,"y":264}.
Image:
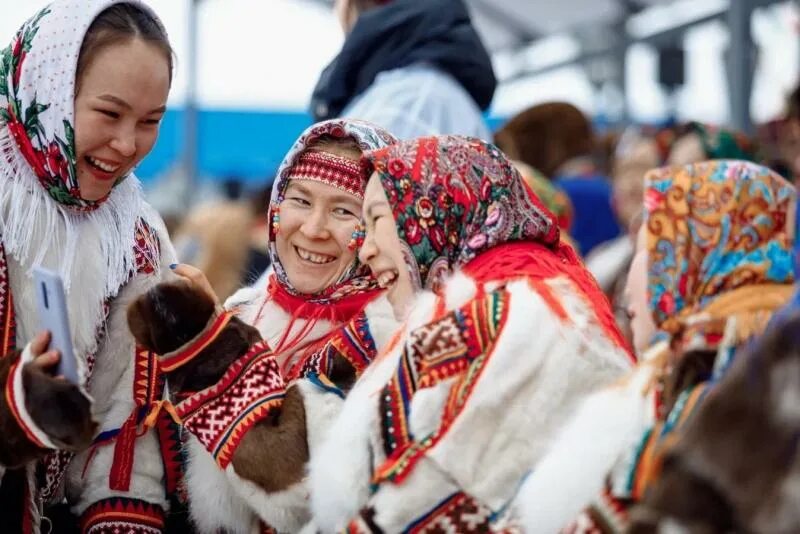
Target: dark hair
{"x":546,"y":136}
{"x":120,"y":23}
{"x":346,"y":147}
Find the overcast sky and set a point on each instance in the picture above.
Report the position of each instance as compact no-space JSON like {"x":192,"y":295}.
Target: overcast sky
{"x":267,"y":54}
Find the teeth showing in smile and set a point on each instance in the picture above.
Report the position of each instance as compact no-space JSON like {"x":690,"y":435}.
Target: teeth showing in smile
{"x":387,"y":278}
{"x":320,"y":259}
{"x":102,"y":166}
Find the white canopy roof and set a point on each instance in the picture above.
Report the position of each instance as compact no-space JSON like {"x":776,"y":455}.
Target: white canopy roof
{"x":267,"y":54}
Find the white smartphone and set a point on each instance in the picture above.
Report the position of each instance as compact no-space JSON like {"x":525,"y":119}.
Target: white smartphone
{"x":51,"y":302}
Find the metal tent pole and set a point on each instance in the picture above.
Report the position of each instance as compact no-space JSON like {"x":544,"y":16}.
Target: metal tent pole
{"x":191,"y":123}
{"x":740,"y":63}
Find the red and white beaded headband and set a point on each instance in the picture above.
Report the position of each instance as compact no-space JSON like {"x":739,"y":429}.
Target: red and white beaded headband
{"x":337,"y":171}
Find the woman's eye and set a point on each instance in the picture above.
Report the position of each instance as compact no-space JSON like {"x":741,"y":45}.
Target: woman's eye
{"x":344,"y":212}
{"x":300,"y":201}
{"x":107,"y":113}
{"x":152,"y":122}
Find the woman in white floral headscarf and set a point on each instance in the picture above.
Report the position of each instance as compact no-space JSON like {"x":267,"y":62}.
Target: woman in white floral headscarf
{"x":83,"y":88}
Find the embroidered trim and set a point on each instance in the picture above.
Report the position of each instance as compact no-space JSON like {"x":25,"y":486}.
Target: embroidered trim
{"x":456,"y":513}
{"x":353,"y":342}
{"x":325,"y":384}
{"x":15,"y":397}
{"x":221,"y":415}
{"x":8,"y":323}
{"x":457,"y":345}
{"x":119,"y":514}
{"x":342,"y":173}
{"x":186,"y":353}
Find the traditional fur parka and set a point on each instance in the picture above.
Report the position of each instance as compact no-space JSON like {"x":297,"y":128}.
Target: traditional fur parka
{"x":442,"y":428}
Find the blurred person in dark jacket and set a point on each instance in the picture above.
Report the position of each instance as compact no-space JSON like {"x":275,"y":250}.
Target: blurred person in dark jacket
{"x":415,"y":68}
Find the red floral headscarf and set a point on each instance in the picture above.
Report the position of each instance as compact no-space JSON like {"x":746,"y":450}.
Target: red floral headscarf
{"x":455,"y":197}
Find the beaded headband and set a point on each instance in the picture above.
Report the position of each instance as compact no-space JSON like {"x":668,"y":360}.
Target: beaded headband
{"x":337,"y":171}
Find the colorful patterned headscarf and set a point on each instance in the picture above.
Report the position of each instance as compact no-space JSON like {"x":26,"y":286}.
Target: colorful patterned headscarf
{"x":551,"y":196}
{"x":357,"y":278}
{"x":37,"y":91}
{"x":455,"y":197}
{"x":713,"y":228}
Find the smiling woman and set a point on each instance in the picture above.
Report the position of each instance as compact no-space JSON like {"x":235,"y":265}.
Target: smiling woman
{"x":82,"y":87}
{"x":323,"y":320}
{"x":319,"y":214}
{"x":121,"y":94}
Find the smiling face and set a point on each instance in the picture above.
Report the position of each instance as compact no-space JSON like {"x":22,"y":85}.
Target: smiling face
{"x":316,"y":225}
{"x":382,"y":250}
{"x":121,"y":99}
{"x":642,"y":323}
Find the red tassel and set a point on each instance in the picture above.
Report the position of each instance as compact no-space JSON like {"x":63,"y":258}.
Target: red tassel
{"x":122,"y":469}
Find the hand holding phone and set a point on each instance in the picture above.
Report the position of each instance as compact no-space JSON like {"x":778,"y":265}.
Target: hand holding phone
{"x":51,"y":303}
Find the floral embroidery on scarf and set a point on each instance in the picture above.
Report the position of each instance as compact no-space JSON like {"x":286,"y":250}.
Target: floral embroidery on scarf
{"x":455,"y":197}
{"x":713,"y":227}
{"x":51,"y":157}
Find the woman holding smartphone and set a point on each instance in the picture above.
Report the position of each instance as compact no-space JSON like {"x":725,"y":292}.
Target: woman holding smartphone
{"x":83,"y":88}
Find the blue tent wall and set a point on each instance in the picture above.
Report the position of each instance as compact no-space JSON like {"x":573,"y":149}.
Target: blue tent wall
{"x":247,"y":145}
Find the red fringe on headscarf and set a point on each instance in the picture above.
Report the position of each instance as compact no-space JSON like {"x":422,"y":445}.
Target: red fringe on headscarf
{"x":337,"y":312}
{"x":533,"y":260}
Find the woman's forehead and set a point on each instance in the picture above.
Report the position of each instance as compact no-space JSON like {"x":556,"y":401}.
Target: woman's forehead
{"x":321,"y":191}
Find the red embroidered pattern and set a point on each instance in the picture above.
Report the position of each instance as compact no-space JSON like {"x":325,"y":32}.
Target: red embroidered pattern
{"x":457,"y":513}
{"x":353,"y":342}
{"x":457,"y":345}
{"x":9,"y":327}
{"x":337,"y":171}
{"x":221,"y":415}
{"x":116,"y":514}
{"x":144,"y":253}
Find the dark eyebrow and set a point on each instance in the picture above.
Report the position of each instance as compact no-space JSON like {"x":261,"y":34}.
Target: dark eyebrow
{"x":373,"y":205}
{"x":118,"y":101}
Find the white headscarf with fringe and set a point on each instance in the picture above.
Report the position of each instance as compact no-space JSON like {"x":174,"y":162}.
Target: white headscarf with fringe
{"x":41,"y":208}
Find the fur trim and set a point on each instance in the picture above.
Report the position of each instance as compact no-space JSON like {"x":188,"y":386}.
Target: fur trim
{"x":93,"y":251}
{"x":381,"y":319}
{"x":572,"y":474}
{"x":214,"y":506}
{"x":476,"y":453}
{"x":340,"y":471}
{"x":549,"y":377}
{"x":112,"y":389}
{"x":28,"y":210}
{"x":321,"y":407}
{"x":285,"y":511}
{"x":15,"y":396}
